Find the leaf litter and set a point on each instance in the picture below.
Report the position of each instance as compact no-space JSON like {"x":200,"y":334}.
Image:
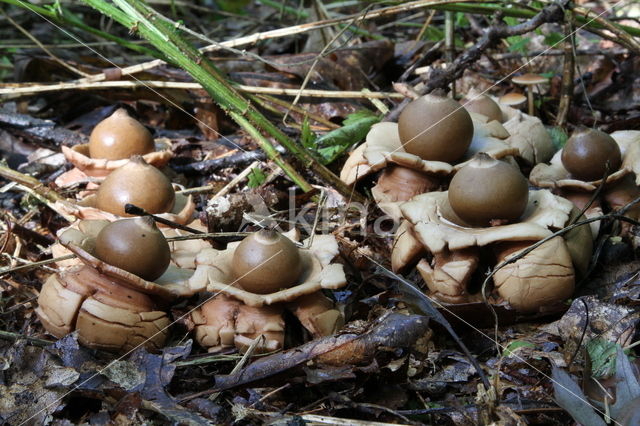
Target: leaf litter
{"x":399,"y":358}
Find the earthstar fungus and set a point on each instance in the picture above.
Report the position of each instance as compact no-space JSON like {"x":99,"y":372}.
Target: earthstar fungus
{"x":240,"y":313}
{"x":435,"y":128}
{"x":119,"y":136}
{"x":137,"y":183}
{"x":589,"y":154}
{"x":487,"y":190}
{"x":112,"y":308}
{"x":448,"y":252}
{"x":526,"y":132}
{"x":448,"y":133}
{"x":135,"y":245}
{"x":111,"y":143}
{"x":483,"y":104}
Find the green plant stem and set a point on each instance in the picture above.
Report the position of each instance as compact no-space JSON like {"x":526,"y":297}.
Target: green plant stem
{"x":268,"y":149}
{"x":13,"y":337}
{"x":66,"y":18}
{"x":183,"y":57}
{"x":227,"y":96}
{"x":150,"y":25}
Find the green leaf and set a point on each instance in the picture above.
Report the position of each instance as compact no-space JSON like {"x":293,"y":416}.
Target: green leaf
{"x":511,"y":21}
{"x":329,"y":153}
{"x":461,"y":20}
{"x":513,"y":346}
{"x":354,"y":129}
{"x":603,"y":357}
{"x":552,"y":39}
{"x":558,"y":137}
{"x":518,"y":44}
{"x":433,"y":33}
{"x":232,"y":6}
{"x":307,"y":137}
{"x":358,"y":116}
{"x":256,"y":177}
{"x":5,"y":68}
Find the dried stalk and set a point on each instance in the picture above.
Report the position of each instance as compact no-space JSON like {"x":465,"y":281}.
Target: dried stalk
{"x":566,"y":90}
{"x":32,"y":88}
{"x":622,"y":35}
{"x":266,"y":102}
{"x":43,"y":47}
{"x":14,"y":337}
{"x":32,"y":183}
{"x":32,"y":265}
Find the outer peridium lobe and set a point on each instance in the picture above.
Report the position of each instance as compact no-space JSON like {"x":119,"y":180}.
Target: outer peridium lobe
{"x":542,"y":278}
{"x":106,"y":315}
{"x":449,"y":273}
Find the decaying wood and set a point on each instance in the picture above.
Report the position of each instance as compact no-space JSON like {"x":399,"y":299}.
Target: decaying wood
{"x":390,"y":332}
{"x":40,"y":130}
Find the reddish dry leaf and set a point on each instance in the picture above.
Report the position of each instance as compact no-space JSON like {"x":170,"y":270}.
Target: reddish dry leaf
{"x":345,"y":69}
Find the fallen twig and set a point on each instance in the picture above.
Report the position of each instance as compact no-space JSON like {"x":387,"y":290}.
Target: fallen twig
{"x":208,"y":166}
{"x":390,"y":331}
{"x":7,"y":335}
{"x":421,"y":300}
{"x":15,"y":89}
{"x":36,"y":264}
{"x":39,"y":130}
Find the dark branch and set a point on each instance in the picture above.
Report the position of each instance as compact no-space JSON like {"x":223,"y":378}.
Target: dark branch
{"x":492,"y":36}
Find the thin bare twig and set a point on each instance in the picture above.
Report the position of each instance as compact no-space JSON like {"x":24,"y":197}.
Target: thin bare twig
{"x":36,"y":264}
{"x":621,"y":37}
{"x":15,"y":89}
{"x":7,"y":335}
{"x":566,"y":91}
{"x":235,"y":181}
{"x":553,"y":12}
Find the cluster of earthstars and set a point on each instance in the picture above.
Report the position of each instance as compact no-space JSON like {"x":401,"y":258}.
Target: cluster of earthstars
{"x":118,"y":289}
{"x":451,"y":176}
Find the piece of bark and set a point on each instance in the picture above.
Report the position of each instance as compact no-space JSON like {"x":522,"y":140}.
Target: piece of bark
{"x":39,"y":130}
{"x":388,"y":333}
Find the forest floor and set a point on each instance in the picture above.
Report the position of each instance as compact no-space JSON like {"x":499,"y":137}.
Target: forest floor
{"x":317,"y":74}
